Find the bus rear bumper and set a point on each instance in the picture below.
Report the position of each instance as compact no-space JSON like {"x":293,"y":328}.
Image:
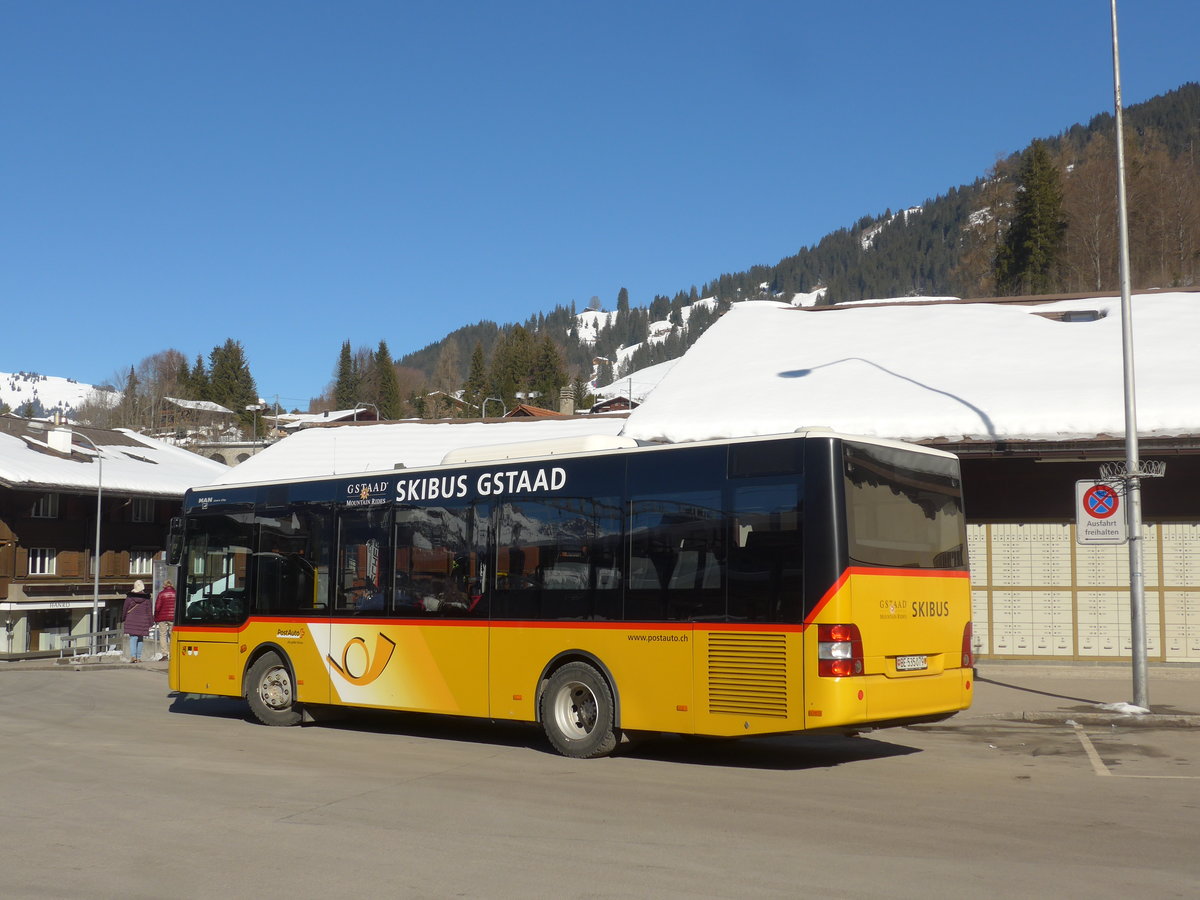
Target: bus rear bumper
{"x":882,"y":700}
{"x":919,"y":697}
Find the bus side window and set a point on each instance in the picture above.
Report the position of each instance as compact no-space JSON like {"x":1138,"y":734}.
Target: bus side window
{"x":557,"y":559}
{"x":766,"y":554}
{"x":292,"y":562}
{"x":439,"y":557}
{"x":676,"y":558}
{"x":362,"y":578}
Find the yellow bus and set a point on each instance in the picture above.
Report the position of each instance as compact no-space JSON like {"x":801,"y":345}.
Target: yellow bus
{"x":792,"y":583}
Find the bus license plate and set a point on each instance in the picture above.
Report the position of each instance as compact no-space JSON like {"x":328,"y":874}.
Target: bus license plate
{"x":911,"y":663}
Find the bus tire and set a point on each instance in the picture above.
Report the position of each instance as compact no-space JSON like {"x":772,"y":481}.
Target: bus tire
{"x":271,"y":691}
{"x":577,"y":712}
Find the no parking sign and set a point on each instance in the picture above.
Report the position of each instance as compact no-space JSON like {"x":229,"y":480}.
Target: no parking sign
{"x":1099,"y":514}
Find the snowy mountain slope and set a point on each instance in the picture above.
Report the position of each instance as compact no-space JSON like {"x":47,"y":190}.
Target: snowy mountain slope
{"x":47,"y":393}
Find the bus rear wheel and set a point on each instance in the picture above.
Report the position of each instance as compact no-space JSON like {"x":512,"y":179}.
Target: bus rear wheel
{"x":577,"y":712}
{"x":271,"y":691}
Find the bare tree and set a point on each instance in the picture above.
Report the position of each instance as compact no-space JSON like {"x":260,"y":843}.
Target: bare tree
{"x":1089,"y":200}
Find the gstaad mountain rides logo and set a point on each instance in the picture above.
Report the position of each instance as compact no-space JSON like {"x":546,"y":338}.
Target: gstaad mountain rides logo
{"x":368,"y":493}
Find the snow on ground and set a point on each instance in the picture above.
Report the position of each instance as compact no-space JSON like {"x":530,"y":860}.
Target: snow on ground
{"x":52,"y":392}
{"x":703,"y":303}
{"x":636,"y":385}
{"x":983,"y":371}
{"x":1125,"y":709}
{"x":810,"y":299}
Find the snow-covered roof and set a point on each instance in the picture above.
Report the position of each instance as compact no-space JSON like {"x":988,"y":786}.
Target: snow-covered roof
{"x":366,"y":447}
{"x":199,"y":405}
{"x":941,"y":371}
{"x":302,"y":420}
{"x":131,"y":463}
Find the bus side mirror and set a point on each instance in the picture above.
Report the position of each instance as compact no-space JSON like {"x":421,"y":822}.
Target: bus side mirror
{"x":175,"y":542}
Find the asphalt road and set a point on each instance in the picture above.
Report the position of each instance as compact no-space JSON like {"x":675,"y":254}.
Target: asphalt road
{"x":112,"y":787}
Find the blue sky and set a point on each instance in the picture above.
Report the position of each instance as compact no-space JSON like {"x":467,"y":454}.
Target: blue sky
{"x":297,"y":174}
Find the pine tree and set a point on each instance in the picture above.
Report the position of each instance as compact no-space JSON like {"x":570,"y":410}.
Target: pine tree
{"x":547,"y":375}
{"x":390,"y":401}
{"x":230,"y":382}
{"x":511,"y":364}
{"x":347,"y":383}
{"x":198,"y":384}
{"x":604,"y":374}
{"x":476,"y":387}
{"x":128,"y":412}
{"x":1028,"y":257}
{"x":581,"y":394}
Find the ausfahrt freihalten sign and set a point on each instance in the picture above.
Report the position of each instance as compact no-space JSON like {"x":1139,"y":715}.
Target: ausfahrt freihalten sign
{"x":1099,"y":514}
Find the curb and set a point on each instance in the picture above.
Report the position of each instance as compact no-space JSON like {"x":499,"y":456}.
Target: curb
{"x":65,"y":666}
{"x":1150,"y":720}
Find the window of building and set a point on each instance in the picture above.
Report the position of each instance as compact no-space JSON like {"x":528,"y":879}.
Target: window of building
{"x":42,"y":561}
{"x":141,"y":562}
{"x":46,"y":507}
{"x":143,"y":509}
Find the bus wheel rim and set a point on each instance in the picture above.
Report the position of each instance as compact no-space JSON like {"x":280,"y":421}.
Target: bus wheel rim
{"x":276,"y":688}
{"x":575,"y":710}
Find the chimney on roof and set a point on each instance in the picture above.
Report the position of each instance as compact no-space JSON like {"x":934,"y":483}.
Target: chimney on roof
{"x":59,"y":439}
{"x":566,"y":401}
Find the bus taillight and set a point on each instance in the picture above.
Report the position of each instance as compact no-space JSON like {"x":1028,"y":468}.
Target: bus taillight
{"x":839,"y":651}
{"x":968,"y":657}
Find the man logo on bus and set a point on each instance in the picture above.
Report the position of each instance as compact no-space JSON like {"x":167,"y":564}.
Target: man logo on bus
{"x":359,"y":665}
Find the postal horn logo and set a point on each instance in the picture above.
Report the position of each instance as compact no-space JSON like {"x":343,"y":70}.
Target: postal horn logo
{"x":360,"y":665}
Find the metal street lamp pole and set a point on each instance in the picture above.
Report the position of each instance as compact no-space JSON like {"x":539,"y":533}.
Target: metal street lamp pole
{"x":1133,"y":491}
{"x":96,"y":563}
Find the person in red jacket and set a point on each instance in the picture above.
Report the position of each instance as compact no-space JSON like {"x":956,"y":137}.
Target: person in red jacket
{"x":164,"y":615}
{"x":138,"y":614}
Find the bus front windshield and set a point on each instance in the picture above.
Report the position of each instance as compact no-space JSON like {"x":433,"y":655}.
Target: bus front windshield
{"x":218,"y":550}
{"x":903,"y":508}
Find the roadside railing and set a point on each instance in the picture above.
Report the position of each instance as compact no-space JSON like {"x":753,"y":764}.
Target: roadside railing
{"x":89,"y":643}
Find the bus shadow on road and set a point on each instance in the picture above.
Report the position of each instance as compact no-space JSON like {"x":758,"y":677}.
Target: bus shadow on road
{"x":778,"y":752}
{"x":781,"y":752}
{"x":434,"y":727}
{"x":207,"y":705}
{"x":784,"y":753}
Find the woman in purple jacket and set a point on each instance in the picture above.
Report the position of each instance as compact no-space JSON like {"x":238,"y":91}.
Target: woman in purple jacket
{"x":139,"y":616}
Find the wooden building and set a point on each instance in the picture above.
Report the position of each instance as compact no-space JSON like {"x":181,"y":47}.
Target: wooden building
{"x":50,"y":476}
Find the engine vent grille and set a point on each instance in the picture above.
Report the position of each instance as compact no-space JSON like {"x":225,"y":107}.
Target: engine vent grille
{"x":747,"y":674}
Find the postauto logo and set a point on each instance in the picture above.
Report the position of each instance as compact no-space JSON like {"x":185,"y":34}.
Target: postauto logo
{"x":361,"y":665}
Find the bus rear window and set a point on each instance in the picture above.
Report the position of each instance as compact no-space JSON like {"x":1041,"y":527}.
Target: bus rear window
{"x":903,"y":509}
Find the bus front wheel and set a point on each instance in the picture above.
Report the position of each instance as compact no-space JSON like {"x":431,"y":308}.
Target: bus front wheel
{"x":577,"y":712}
{"x":272,"y":692}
